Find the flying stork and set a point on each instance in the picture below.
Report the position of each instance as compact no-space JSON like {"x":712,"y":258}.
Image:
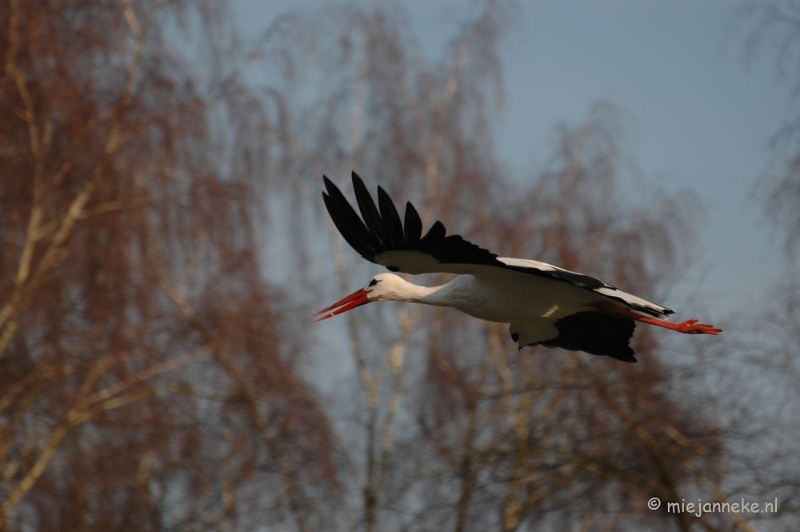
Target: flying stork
{"x":544,"y":304}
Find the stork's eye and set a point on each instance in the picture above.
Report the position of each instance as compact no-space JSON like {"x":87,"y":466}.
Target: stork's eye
{"x":373,"y":283}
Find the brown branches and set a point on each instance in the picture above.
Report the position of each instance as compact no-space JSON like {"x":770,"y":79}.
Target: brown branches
{"x":116,"y":279}
{"x":87,"y":406}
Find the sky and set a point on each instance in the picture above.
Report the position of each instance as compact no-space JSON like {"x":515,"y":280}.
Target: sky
{"x":701,"y":118}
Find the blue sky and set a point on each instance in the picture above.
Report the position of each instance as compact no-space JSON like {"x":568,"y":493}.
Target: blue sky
{"x":700,"y":119}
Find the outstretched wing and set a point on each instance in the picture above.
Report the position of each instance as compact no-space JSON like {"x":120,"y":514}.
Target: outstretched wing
{"x":381,"y":237}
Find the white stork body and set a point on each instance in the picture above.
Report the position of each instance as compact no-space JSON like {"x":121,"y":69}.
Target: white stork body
{"x":502,"y":297}
{"x":542,"y":303}
{"x":527,"y":303}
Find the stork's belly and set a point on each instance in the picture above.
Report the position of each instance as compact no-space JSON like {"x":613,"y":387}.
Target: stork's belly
{"x":523,"y":311}
{"x":522,"y":298}
{"x":554,"y":312}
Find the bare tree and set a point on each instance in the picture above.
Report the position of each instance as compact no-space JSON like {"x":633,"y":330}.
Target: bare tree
{"x":143,"y":363}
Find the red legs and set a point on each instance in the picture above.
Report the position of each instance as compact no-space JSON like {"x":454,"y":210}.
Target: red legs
{"x":687,"y":327}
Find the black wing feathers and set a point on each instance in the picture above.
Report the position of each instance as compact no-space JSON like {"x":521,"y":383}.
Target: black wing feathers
{"x":347,"y":221}
{"x":390,"y":216}
{"x":435,"y":233}
{"x":413,"y":226}
{"x":370,"y":213}
{"x":596,"y":333}
{"x":382,"y":231}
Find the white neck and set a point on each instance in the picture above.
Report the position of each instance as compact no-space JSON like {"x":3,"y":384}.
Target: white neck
{"x":402,"y":290}
{"x":461,"y":293}
{"x":417,"y":294}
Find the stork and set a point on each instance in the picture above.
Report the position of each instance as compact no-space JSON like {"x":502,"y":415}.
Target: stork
{"x":544,"y":305}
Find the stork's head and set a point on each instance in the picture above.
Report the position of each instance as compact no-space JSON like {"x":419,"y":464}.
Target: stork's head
{"x":382,"y":286}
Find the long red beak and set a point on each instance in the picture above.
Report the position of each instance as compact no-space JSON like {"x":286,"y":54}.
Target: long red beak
{"x":356,"y":299}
